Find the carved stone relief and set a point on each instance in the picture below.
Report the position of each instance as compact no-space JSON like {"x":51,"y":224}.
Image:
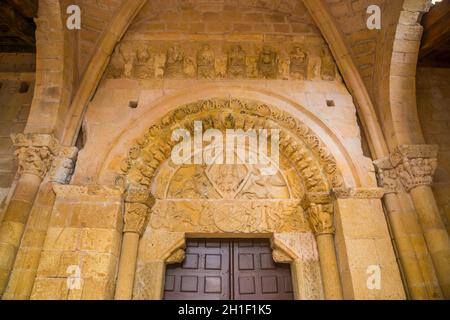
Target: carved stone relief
{"x":229,"y":216}
{"x":138,"y":60}
{"x":407,"y":167}
{"x":303,"y":150}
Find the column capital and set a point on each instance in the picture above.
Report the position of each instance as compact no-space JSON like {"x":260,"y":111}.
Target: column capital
{"x":407,"y":167}
{"x":321,"y":218}
{"x":136,"y":218}
{"x":34,"y":152}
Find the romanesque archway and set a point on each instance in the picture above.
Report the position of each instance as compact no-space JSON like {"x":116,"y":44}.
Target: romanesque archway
{"x":231,"y":200}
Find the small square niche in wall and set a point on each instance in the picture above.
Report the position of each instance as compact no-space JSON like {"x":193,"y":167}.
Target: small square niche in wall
{"x":330,"y":103}
{"x":133,"y":104}
{"x":24,"y":87}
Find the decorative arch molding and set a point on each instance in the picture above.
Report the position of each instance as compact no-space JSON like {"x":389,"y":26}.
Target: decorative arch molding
{"x":304,"y":150}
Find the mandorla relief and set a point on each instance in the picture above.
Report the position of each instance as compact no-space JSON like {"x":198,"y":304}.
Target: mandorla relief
{"x":146,"y":60}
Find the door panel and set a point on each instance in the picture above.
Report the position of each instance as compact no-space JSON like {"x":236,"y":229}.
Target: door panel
{"x":203,"y":275}
{"x":256,"y":275}
{"x":228,"y":270}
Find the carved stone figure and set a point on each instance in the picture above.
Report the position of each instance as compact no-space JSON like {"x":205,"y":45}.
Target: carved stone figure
{"x":268,"y":63}
{"x":174,"y":67}
{"x":205,"y":63}
{"x":127,"y":53}
{"x":143,"y":63}
{"x":34,"y":160}
{"x":236,"y":62}
{"x":136,"y":216}
{"x":328,"y":71}
{"x":298,"y":68}
{"x":321,"y":218}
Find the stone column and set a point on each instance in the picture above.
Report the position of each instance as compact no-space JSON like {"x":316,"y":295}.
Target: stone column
{"x":415,"y":166}
{"x":321,"y":217}
{"x":404,"y":226}
{"x":23,"y":275}
{"x":137,"y":210}
{"x":34,"y":153}
{"x":136,"y":216}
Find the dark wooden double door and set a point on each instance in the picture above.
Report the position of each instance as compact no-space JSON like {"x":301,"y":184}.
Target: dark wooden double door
{"x":228,"y":270}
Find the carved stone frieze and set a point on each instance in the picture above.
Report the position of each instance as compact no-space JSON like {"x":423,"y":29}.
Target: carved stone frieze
{"x":232,"y":216}
{"x":143,"y":60}
{"x":358,"y":193}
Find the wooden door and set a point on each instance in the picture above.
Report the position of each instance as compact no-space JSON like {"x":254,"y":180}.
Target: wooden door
{"x":256,"y":276}
{"x":204,"y":273}
{"x":228,"y":270}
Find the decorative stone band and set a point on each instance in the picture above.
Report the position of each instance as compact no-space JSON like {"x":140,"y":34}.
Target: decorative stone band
{"x":358,"y":193}
{"x":34,"y":152}
{"x":407,"y":167}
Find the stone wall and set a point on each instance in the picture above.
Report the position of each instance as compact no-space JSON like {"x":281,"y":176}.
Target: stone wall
{"x":433,"y":102}
{"x":15,"y":101}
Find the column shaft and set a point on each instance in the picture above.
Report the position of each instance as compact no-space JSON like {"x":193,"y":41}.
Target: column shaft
{"x":436,"y":235}
{"x":14,"y":222}
{"x":329,"y":267}
{"x":127,"y":266}
{"x":406,"y":251}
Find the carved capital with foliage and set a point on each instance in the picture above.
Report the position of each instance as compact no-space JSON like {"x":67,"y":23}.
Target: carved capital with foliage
{"x":407,"y":167}
{"x":321,"y":218}
{"x":136,"y":218}
{"x":34,"y":152}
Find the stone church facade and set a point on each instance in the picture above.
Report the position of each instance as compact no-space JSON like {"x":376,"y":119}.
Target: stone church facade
{"x":358,"y":207}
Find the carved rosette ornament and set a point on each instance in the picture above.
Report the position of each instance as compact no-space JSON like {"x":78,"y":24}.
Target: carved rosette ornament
{"x":136,"y":217}
{"x":34,"y":152}
{"x":407,"y":167}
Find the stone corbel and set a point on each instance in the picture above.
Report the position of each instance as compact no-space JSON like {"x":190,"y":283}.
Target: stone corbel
{"x":63,"y":165}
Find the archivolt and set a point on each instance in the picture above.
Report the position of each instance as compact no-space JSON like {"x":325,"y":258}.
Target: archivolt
{"x":308,"y":155}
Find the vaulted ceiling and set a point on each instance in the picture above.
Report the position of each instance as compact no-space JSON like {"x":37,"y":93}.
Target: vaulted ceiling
{"x":435,"y":48}
{"x":17,"y":28}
